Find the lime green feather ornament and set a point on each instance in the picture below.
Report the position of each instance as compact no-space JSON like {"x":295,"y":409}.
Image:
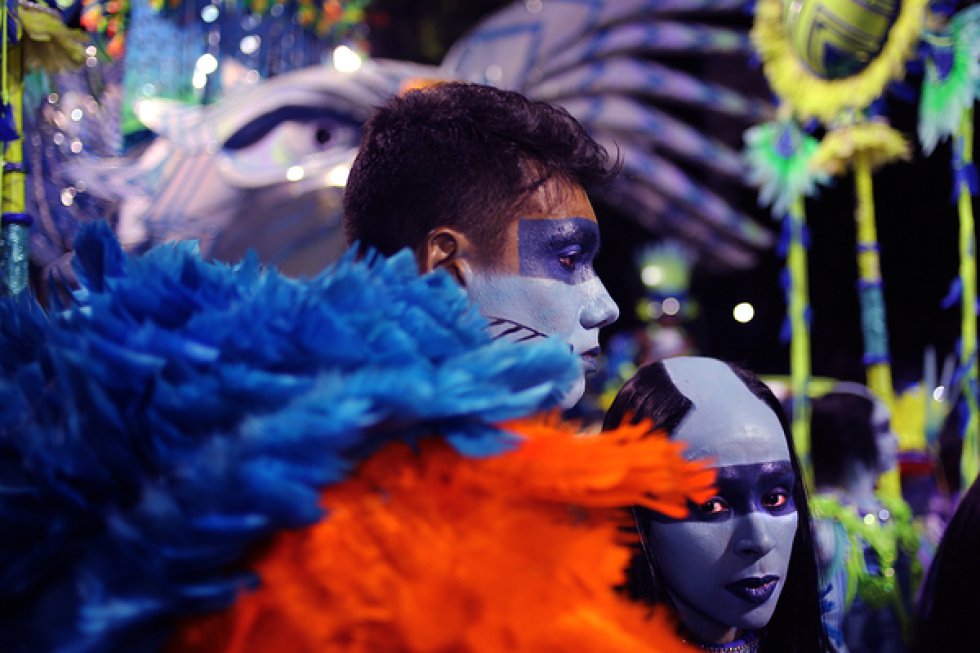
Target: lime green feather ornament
{"x":778,"y":154}
{"x":952,"y":71}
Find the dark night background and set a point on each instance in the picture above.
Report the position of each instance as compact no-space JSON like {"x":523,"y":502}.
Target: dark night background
{"x":916,"y":220}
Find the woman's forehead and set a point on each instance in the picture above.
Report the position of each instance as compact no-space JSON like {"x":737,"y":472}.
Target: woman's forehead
{"x":727,"y":422}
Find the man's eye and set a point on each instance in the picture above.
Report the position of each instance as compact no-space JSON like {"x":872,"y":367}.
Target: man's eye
{"x":569,"y":258}
{"x":775,"y":500}
{"x":713,"y":507}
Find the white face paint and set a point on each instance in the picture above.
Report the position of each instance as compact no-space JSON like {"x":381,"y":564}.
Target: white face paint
{"x":725,"y":565}
{"x":547,"y":286}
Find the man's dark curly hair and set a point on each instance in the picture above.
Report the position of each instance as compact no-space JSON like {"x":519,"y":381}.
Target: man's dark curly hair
{"x":465,"y":156}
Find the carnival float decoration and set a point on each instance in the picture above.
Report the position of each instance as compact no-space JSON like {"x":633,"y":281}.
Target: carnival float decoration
{"x":830,"y":62}
{"x":280,"y":146}
{"x":34,"y":36}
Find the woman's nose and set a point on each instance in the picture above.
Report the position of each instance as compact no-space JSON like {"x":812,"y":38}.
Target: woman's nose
{"x":752,"y":537}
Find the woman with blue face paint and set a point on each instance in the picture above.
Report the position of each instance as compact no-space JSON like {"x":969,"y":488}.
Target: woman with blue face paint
{"x":740,"y":570}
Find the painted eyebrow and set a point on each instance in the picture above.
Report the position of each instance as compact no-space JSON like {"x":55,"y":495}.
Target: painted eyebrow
{"x":774,"y":471}
{"x":578,"y":233}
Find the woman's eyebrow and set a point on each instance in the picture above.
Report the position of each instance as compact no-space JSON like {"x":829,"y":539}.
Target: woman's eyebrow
{"x":753,"y":472}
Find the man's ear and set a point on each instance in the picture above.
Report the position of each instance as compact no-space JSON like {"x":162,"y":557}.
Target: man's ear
{"x":444,"y":248}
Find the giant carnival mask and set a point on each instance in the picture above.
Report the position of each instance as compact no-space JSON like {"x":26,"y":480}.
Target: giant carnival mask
{"x":544,"y":284}
{"x":263,"y":167}
{"x":725,"y":565}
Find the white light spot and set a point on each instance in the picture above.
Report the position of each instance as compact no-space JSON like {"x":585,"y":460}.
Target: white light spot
{"x":52,"y":98}
{"x":68,"y":196}
{"x":652,"y":275}
{"x":90,"y":51}
{"x":295,"y":173}
{"x":494,"y":73}
{"x":76,"y":146}
{"x":649,"y":310}
{"x":743,"y":312}
{"x":199,"y":80}
{"x":252,"y":76}
{"x":345,"y":59}
{"x":58,"y":138}
{"x":76,"y":114}
{"x":250,"y":44}
{"x":671,"y":306}
{"x":209,"y":14}
{"x":148,"y":89}
{"x":206,"y":64}
{"x":91,"y":62}
{"x":337,"y":175}
{"x":939,"y":393}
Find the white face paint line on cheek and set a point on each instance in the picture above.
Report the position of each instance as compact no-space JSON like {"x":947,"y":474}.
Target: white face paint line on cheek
{"x":545,"y":306}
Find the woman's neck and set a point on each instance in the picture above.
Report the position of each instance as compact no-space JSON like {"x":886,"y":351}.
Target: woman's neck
{"x":747,"y":643}
{"x":703,"y":628}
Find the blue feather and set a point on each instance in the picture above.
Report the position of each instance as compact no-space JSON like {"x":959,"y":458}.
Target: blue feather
{"x":183,"y":411}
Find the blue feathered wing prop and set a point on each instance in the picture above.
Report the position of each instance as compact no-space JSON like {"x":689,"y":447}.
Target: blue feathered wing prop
{"x":183,"y":411}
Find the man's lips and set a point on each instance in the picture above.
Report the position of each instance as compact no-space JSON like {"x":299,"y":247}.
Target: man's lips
{"x":590,"y":361}
{"x":755,"y":590}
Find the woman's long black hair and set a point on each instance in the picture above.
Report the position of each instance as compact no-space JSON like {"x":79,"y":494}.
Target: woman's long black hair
{"x":796,"y":625}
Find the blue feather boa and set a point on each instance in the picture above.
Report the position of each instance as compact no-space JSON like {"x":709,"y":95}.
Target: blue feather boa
{"x":182,"y":412}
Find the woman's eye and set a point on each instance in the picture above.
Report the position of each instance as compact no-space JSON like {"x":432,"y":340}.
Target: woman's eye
{"x":775,"y":499}
{"x":713,"y":507}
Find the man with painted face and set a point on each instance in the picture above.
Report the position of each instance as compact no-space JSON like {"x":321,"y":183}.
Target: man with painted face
{"x":739,"y":571}
{"x":490,"y":186}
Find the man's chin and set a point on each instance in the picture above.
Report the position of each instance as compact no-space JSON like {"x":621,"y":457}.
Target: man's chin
{"x":574,"y":393}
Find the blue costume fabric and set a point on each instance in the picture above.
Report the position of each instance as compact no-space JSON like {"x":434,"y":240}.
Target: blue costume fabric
{"x":180,"y":411}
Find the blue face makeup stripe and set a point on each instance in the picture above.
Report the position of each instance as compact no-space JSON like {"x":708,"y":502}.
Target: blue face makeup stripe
{"x":744,"y":489}
{"x":561,"y":249}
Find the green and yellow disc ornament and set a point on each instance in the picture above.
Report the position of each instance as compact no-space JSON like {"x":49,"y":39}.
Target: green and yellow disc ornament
{"x":825,"y":57}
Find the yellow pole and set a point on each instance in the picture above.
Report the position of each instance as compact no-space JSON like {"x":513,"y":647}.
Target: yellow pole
{"x":16,"y":223}
{"x":970,"y":459}
{"x":873,"y":324}
{"x":800,"y":343}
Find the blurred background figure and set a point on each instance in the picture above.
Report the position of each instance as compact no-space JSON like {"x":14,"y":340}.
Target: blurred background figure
{"x":866,"y":542}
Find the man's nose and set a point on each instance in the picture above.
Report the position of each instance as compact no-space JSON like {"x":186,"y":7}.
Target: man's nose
{"x":600,"y":310}
{"x":752,"y":537}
